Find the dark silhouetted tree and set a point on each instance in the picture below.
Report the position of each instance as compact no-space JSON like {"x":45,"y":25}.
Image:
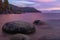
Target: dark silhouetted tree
{"x":4,"y":7}
{"x":0,"y":6}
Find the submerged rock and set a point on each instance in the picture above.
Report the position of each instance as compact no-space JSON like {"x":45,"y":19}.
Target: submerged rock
{"x":38,"y":22}
{"x":18,"y":27}
{"x":50,"y":37}
{"x":20,"y":37}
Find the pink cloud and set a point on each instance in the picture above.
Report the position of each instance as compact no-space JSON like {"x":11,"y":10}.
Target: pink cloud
{"x":53,"y":8}
{"x":45,"y":0}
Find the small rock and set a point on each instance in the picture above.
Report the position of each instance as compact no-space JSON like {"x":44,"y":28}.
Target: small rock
{"x":38,"y":22}
{"x":20,"y":37}
{"x":18,"y":27}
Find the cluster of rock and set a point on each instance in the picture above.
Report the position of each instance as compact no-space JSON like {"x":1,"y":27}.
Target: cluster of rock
{"x":20,"y":29}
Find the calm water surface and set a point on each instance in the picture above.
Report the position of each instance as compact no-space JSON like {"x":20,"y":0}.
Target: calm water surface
{"x":52,"y":27}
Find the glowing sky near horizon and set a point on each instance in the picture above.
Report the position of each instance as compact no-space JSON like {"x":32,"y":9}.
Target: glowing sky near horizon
{"x":38,"y":4}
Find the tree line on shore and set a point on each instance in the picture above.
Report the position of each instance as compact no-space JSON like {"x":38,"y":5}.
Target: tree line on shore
{"x":4,"y":6}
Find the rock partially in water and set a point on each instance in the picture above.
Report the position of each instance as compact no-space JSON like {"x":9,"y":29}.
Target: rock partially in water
{"x":20,"y":37}
{"x":18,"y":27}
{"x":38,"y":22}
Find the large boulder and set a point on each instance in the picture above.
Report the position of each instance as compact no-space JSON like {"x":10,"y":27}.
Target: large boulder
{"x":18,"y":27}
{"x":20,"y":37}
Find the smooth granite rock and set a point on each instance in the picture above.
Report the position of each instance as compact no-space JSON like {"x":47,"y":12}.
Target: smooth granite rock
{"x":20,"y":37}
{"x":18,"y":27}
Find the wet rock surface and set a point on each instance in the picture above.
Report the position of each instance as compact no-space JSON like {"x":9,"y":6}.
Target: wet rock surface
{"x":20,"y":37}
{"x":38,"y":22}
{"x":18,"y":27}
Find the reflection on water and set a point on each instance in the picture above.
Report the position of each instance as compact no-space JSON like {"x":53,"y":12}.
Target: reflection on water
{"x":25,"y":17}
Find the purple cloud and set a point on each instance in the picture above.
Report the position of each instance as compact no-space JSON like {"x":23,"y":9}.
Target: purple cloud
{"x":44,"y":0}
{"x":39,"y":4}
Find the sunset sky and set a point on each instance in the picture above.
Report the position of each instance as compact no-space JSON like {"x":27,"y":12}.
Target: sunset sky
{"x":38,"y":4}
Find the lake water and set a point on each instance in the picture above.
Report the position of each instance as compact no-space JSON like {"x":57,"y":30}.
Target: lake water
{"x":51,"y":28}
